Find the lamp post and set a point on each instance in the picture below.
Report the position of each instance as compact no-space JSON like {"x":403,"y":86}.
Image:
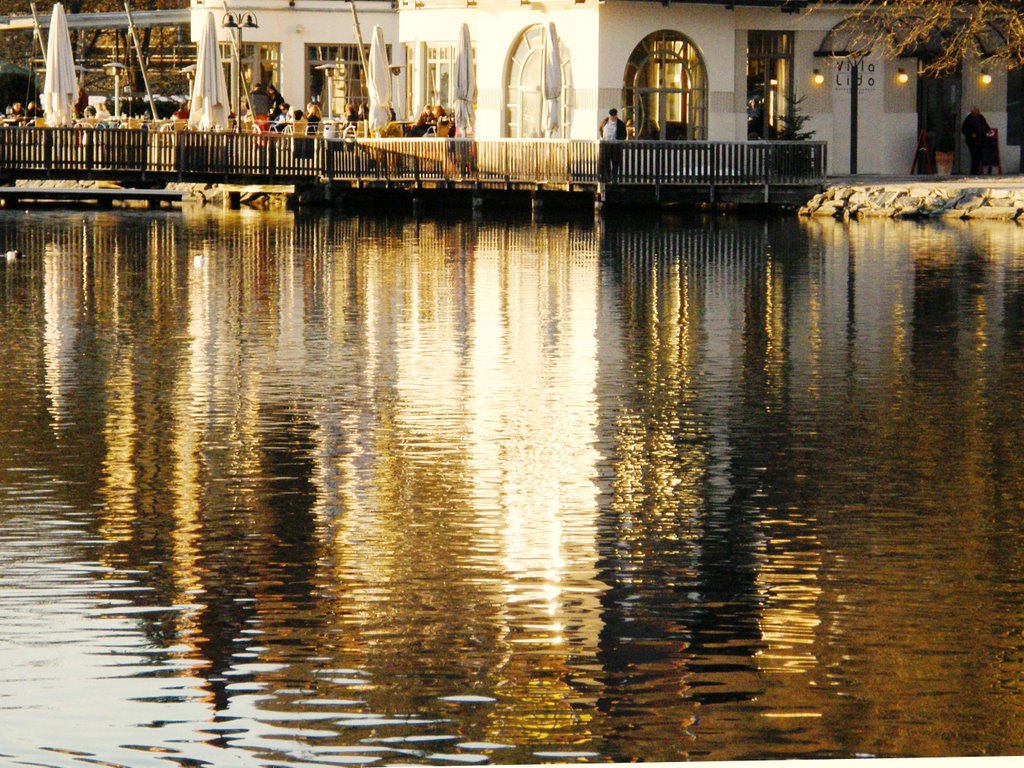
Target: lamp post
{"x":115,"y":68}
{"x":236,"y":21}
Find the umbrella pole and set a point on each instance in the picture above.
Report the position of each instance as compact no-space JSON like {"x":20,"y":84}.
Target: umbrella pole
{"x":359,"y":42}
{"x":138,"y":52}
{"x":236,"y":52}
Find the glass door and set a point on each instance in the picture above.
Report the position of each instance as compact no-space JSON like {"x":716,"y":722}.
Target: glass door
{"x":938,"y":115}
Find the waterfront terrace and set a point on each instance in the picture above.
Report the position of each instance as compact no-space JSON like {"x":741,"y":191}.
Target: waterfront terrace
{"x":648,"y":171}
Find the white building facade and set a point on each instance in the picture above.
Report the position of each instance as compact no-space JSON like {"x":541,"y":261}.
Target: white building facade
{"x":726,"y":71}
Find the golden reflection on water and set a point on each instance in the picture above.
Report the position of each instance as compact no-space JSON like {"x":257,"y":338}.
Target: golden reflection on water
{"x":662,"y":493}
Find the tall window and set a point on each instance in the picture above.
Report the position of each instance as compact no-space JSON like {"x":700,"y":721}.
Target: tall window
{"x":665,"y":88}
{"x":524,"y":91}
{"x":769,"y":82}
{"x":439,"y":74}
{"x":1015,"y":107}
{"x":261,"y":63}
{"x":430,"y":80}
{"x":338,"y":69}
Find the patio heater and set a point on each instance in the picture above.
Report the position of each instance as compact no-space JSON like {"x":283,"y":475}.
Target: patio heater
{"x":235,"y":22}
{"x":115,"y":68}
{"x":329,"y":69}
{"x":190,"y":73}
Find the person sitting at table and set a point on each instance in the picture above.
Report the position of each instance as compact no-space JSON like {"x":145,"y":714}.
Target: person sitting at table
{"x":351,"y":113}
{"x":422,"y":124}
{"x":183,"y":111}
{"x":17,"y":113}
{"x":445,"y":126}
{"x":282,"y":118}
{"x":32,"y":111}
{"x":277,"y":111}
{"x":303,"y":146}
{"x":313,"y":117}
{"x":88,"y":118}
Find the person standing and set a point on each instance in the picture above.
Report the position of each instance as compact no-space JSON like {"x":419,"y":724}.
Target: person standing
{"x":276,"y":102}
{"x":261,"y":102}
{"x":611,"y":131}
{"x":975,"y":129}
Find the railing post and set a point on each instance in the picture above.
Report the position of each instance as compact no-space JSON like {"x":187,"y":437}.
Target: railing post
{"x":89,"y":137}
{"x":48,"y":150}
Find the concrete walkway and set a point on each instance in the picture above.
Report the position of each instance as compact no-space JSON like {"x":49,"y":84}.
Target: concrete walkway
{"x":1008,"y":181}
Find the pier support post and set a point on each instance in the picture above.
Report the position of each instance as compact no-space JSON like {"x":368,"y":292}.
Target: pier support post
{"x":233,"y":199}
{"x":536,"y":205}
{"x":417,"y":205}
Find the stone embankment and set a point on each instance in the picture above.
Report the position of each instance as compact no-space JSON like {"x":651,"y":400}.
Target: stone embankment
{"x":919,"y":201}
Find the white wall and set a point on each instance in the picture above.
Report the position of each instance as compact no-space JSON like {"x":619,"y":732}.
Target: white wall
{"x":495,"y":30}
{"x":308,"y":22}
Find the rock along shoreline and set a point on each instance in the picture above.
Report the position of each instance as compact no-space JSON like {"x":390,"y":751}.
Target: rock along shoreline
{"x":962,"y":200}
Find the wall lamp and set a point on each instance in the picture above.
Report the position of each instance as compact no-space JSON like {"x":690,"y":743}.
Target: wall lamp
{"x":902,"y":77}
{"x":817,"y":77}
{"x":986,"y":78}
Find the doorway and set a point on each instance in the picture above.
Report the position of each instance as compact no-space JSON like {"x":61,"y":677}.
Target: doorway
{"x":938,"y":115}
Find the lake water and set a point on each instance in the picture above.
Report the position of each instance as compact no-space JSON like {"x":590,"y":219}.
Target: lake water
{"x":283,"y":489}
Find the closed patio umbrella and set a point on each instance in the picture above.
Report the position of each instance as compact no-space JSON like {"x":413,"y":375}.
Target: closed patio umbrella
{"x":210,"y":106}
{"x":60,"y":91}
{"x":465,"y":83}
{"x":379,"y":83}
{"x":552,"y":78}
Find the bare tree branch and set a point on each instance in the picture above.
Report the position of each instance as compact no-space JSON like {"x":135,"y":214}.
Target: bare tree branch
{"x":942,"y":33}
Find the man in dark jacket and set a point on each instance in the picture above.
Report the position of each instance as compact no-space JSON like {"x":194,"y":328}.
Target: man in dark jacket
{"x":261,"y":103}
{"x":975,"y":129}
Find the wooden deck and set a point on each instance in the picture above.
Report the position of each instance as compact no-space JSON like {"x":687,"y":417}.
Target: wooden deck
{"x":148,"y":158}
{"x":102,"y":195}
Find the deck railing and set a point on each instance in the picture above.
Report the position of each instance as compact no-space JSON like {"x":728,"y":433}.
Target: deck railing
{"x":280,"y":158}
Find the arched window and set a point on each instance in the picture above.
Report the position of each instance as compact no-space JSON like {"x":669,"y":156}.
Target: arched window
{"x":525,"y":117}
{"x":665,"y":88}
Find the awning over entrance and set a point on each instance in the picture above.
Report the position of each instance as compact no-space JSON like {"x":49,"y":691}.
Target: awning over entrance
{"x":855,"y":37}
{"x":847,"y":39}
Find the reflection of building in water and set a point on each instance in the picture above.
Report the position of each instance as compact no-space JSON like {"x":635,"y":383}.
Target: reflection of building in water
{"x":532,"y":429}
{"x":682,"y":562}
{"x":61,"y":299}
{"x":623,"y":485}
{"x":470,"y":478}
